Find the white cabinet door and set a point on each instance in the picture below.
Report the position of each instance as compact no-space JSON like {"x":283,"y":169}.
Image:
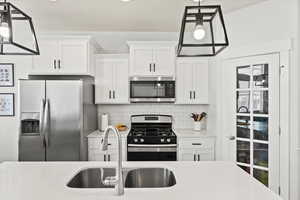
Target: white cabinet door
{"x":200,"y":82}
{"x":205,"y":156}
{"x":164,"y":61}
{"x":73,"y":57}
{"x":47,"y":61}
{"x":187,"y":155}
{"x":104,"y":82}
{"x":192,"y":82}
{"x":120,"y":82}
{"x":96,"y":156}
{"x":195,"y":155}
{"x":184,"y":83}
{"x":142,"y":62}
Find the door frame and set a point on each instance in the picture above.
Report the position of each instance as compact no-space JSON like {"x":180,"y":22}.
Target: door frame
{"x":288,"y":98}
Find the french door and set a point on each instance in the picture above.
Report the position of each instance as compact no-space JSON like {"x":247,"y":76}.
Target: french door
{"x":251,"y":116}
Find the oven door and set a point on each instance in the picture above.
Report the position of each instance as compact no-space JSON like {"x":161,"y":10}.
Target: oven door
{"x":152,"y":91}
{"x":152,"y":152}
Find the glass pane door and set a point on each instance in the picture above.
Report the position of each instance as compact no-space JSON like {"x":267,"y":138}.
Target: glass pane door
{"x":257,"y":118}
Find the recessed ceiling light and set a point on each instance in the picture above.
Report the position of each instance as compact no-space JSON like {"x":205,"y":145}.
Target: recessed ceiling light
{"x":125,"y":0}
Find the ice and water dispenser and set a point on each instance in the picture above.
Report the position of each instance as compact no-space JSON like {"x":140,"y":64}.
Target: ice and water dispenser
{"x":30,"y":124}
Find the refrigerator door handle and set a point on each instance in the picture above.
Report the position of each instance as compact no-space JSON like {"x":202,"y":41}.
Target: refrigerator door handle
{"x":46,"y":123}
{"x":41,"y":121}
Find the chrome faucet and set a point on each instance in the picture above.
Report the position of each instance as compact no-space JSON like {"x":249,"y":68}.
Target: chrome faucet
{"x":117,"y":180}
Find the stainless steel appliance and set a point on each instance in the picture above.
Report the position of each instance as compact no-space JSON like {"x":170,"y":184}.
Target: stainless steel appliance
{"x":55,"y":117}
{"x":151,"y":138}
{"x":152,"y":89}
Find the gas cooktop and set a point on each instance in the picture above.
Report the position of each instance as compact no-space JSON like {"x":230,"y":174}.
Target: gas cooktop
{"x":151,"y":129}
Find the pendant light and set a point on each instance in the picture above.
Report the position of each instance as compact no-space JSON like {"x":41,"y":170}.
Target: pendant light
{"x":203,"y":31}
{"x":17,"y":34}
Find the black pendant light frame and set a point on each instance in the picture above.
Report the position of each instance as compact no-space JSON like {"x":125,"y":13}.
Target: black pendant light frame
{"x":7,"y":12}
{"x":207,"y":17}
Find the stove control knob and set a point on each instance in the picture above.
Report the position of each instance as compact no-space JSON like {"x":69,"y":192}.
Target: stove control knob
{"x":168,"y":140}
{"x":142,"y":140}
{"x":135,"y":140}
{"x":162,"y":140}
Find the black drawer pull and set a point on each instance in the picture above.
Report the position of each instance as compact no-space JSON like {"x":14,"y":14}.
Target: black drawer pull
{"x":196,"y":144}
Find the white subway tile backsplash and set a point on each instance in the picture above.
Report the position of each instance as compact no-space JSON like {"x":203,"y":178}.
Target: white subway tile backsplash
{"x":181,"y":113}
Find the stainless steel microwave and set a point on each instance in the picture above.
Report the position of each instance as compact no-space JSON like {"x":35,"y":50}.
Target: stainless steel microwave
{"x":152,"y":89}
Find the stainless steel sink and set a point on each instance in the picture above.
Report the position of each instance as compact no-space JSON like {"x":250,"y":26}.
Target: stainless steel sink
{"x":150,"y":178}
{"x":134,"y":178}
{"x":91,"y":178}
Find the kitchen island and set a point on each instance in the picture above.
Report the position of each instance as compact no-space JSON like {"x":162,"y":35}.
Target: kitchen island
{"x":194,"y":181}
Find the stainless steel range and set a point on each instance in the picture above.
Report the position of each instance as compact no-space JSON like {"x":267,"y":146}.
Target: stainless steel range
{"x":151,"y":138}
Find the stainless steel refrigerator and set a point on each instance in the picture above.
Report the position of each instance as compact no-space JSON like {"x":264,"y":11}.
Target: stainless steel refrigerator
{"x":55,"y":118}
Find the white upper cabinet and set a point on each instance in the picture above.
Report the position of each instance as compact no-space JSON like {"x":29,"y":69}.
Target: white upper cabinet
{"x":192,"y":81}
{"x":152,"y":58}
{"x":46,"y":62}
{"x":141,"y":62}
{"x":112,"y":80}
{"x":65,"y":56}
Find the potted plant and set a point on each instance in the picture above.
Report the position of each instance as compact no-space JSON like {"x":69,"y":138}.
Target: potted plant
{"x":199,"y":120}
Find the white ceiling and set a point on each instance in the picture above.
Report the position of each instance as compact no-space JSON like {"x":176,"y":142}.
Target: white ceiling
{"x":114,"y":15}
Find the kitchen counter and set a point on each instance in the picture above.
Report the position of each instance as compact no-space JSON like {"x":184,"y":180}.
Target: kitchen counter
{"x":181,"y":133}
{"x":195,"y":181}
{"x":190,"y":133}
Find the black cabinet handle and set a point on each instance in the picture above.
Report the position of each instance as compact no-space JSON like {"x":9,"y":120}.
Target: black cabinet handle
{"x":194,"y":157}
{"x":196,"y":144}
{"x":104,"y":157}
{"x":154,"y":67}
{"x":198,"y":157}
{"x":54,"y":64}
{"x":194,"y":95}
{"x":190,"y":94}
{"x":108,"y":157}
{"x":59,"y":64}
{"x":109,"y":94}
{"x":150,"y":67}
{"x":114,"y":94}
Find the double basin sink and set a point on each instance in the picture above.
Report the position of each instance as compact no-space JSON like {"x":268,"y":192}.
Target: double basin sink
{"x":133,"y":178}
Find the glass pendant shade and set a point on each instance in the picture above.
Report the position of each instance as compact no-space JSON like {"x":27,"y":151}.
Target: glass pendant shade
{"x":17,"y":34}
{"x":203,"y":32}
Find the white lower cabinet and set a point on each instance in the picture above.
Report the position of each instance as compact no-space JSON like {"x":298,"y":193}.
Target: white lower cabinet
{"x":196,"y":149}
{"x":95,"y":152}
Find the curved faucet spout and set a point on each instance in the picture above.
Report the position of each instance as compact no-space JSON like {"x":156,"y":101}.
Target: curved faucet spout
{"x":117,"y":181}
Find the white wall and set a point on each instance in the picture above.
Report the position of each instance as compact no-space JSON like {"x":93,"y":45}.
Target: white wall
{"x":9,"y":125}
{"x":181,"y":113}
{"x":258,"y":24}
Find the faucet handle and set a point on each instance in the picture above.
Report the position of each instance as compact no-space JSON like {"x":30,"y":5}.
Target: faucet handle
{"x":104,"y":144}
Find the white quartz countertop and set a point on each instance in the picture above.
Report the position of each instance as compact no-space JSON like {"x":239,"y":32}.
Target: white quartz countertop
{"x":181,"y":133}
{"x":194,"y":181}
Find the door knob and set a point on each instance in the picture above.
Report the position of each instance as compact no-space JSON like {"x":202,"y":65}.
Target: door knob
{"x":231,"y":137}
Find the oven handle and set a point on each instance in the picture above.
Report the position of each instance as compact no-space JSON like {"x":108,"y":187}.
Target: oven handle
{"x":152,"y":149}
{"x":152,"y":145}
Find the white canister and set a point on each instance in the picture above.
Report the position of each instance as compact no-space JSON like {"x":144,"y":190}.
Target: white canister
{"x":197,"y":126}
{"x":200,"y":125}
{"x":103,"y":122}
